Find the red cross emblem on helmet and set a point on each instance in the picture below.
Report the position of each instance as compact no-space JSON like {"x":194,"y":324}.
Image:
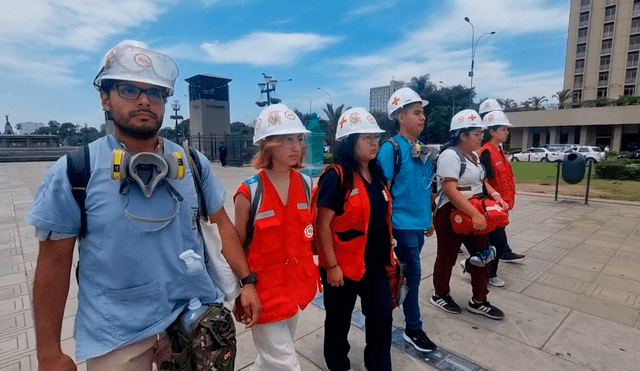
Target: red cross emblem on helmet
{"x":472,"y":117}
{"x":341,"y":123}
{"x":396,"y":100}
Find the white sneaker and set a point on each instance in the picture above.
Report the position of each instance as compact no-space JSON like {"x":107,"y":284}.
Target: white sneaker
{"x":496,"y":281}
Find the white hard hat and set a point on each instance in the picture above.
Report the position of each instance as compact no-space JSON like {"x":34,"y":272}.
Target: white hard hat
{"x":277,"y":119}
{"x":132,"y":60}
{"x":464,"y":119}
{"x":356,"y":120}
{"x":490,"y":105}
{"x":495,"y":118}
{"x":401,"y":98}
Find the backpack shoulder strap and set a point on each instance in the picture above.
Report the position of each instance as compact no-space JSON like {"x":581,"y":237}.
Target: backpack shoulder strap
{"x":397,"y":159}
{"x":463,"y":160}
{"x":79,"y":172}
{"x":196,"y":168}
{"x":306,"y":183}
{"x":255,"y":199}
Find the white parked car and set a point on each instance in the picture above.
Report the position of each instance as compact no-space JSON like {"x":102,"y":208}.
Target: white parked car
{"x":536,"y":154}
{"x":593,"y":154}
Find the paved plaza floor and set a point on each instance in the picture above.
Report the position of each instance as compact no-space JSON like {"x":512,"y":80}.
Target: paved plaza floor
{"x":572,"y":304}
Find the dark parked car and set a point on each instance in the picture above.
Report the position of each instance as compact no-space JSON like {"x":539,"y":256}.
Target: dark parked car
{"x":634,"y":154}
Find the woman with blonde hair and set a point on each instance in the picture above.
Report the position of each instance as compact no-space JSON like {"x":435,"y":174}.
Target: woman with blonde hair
{"x":273,"y":220}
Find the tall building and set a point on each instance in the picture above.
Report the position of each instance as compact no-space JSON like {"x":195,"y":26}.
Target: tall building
{"x":378,"y":97}
{"x":603,"y":47}
{"x":602,"y":59}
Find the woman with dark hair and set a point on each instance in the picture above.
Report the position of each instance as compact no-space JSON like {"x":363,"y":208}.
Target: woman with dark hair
{"x":500,"y":176}
{"x":353,"y":227}
{"x":460,"y":176}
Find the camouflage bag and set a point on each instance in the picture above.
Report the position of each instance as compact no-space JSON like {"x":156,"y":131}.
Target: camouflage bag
{"x":210,"y":346}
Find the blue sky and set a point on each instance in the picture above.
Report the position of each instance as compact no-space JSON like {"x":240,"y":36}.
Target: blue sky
{"x":50,"y":49}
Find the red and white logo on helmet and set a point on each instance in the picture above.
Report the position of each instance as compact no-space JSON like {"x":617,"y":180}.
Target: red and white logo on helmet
{"x":401,"y":98}
{"x":356,"y":120}
{"x":466,"y":119}
{"x":280,"y":120}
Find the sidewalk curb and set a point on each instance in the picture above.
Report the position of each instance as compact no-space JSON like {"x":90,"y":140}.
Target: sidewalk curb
{"x":600,"y":200}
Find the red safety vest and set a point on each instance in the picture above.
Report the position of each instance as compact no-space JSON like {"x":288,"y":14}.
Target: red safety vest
{"x":502,"y":180}
{"x":357,"y":211}
{"x":280,"y":252}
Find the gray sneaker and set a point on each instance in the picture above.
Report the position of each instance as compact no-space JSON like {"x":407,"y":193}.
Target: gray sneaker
{"x":496,"y":281}
{"x":484,"y":257}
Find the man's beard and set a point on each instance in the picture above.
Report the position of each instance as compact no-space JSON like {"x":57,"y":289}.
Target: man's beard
{"x":136,"y":132}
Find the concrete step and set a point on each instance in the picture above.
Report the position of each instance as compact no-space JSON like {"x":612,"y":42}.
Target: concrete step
{"x":33,"y":154}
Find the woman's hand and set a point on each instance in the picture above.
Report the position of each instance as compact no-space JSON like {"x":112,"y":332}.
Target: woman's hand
{"x":479,"y":222}
{"x":335,"y":277}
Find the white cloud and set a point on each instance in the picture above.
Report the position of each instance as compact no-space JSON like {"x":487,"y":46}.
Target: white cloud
{"x":442,"y":49}
{"x":267,"y":48}
{"x":373,"y":7}
{"x":33,"y":33}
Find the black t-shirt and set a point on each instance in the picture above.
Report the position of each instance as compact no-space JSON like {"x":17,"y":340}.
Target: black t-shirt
{"x":485,"y":160}
{"x":331,"y":195}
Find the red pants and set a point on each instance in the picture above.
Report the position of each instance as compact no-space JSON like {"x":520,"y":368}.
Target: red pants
{"x":449,"y":243}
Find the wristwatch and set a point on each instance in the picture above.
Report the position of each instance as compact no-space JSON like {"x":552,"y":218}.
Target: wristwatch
{"x":251,"y":278}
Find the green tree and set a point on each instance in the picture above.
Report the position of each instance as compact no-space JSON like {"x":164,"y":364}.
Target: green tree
{"x":526,"y":104}
{"x":563,"y":96}
{"x":508,"y":104}
{"x":537,"y":102}
{"x":241,"y":128}
{"x":329,"y":127}
{"x":67,"y":131}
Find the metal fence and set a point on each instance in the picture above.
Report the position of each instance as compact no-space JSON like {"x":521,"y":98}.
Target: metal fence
{"x":240,"y":149}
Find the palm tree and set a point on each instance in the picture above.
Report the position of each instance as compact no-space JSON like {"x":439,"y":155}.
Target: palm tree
{"x":526,"y":104}
{"x":332,"y":123}
{"x":422,"y":85}
{"x":508,"y":104}
{"x":563,"y":96}
{"x":537,"y":102}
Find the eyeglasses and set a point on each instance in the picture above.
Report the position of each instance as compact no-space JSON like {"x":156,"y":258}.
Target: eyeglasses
{"x":291,"y":140}
{"x":132,"y":92}
{"x":370,"y":137}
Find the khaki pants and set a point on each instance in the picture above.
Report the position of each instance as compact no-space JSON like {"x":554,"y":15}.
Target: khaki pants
{"x":134,"y":357}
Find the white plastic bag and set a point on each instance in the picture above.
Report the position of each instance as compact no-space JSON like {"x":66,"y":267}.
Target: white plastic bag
{"x":216,"y":264}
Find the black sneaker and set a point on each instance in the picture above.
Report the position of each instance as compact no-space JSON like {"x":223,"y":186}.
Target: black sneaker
{"x":486,"y":309}
{"x":419,"y":340}
{"x":511,"y":257}
{"x":445,"y":303}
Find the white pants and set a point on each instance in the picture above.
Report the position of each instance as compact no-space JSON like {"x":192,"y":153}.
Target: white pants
{"x":274,"y":342}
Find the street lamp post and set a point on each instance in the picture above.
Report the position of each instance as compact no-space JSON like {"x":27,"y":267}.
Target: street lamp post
{"x":268,"y":86}
{"x":330,"y":101}
{"x":474,"y":45}
{"x":452,"y":98}
{"x":176,"y":107}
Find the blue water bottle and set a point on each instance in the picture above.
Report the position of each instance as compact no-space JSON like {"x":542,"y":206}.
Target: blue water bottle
{"x":191,"y":316}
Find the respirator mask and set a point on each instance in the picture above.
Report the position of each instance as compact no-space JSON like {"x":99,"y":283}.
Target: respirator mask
{"x":149,"y":172}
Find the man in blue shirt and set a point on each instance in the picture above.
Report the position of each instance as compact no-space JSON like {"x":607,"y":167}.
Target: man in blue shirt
{"x":133,"y":282}
{"x":411,"y":192}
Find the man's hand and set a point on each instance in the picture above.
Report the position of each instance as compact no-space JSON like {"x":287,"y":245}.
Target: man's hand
{"x":248,"y":310}
{"x":59,"y":362}
{"x":335,"y":277}
{"x":430,"y":231}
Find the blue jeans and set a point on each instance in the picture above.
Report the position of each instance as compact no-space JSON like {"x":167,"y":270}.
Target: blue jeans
{"x":408,"y":251}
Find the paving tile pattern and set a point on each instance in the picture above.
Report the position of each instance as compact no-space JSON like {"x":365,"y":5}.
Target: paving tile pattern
{"x":572,"y":304}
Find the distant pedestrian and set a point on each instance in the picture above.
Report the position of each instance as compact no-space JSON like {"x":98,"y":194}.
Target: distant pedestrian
{"x":353,"y":227}
{"x":222,"y":150}
{"x":500,"y":176}
{"x":606,"y":152}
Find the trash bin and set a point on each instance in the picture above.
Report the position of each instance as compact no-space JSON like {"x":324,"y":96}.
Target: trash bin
{"x":573,"y":168}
